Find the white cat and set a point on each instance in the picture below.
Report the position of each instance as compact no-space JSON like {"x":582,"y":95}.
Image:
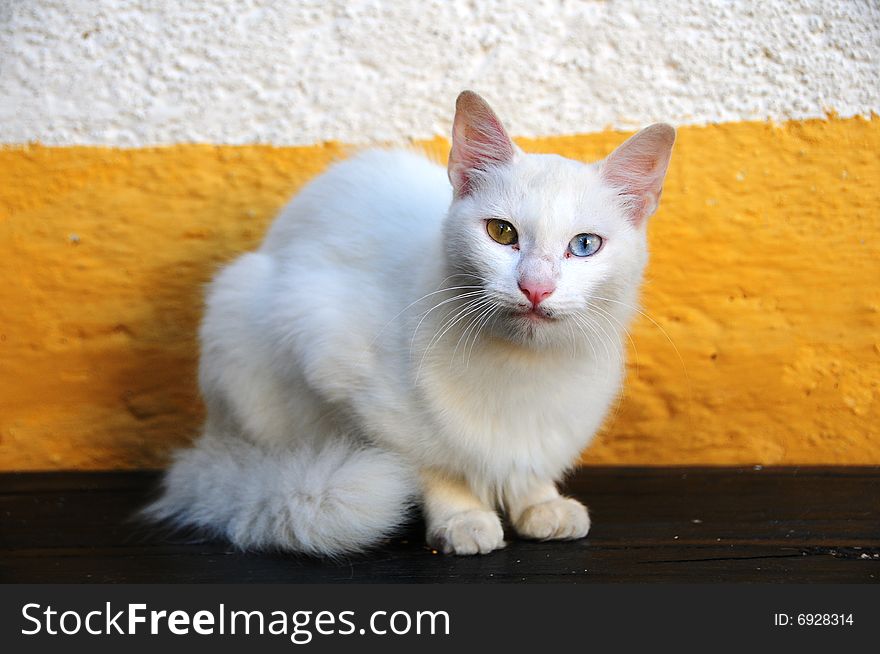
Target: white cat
{"x":397,"y":340}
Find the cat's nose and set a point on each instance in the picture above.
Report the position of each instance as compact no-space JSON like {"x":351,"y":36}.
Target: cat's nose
{"x":536,"y":292}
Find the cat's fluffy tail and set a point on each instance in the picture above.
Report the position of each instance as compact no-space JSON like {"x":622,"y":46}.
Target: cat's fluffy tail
{"x":328,"y":499}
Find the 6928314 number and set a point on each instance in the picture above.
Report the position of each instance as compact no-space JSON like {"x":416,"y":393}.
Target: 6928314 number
{"x":813,"y":619}
{"x":824,"y":619}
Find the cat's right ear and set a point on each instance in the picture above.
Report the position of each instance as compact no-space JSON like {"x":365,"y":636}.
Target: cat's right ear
{"x":478,"y":142}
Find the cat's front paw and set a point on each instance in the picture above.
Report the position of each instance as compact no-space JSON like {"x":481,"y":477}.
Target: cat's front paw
{"x":469,"y":532}
{"x":561,"y":518}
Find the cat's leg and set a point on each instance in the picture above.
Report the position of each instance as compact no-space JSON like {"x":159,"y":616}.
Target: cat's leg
{"x":458,"y":521}
{"x":537,"y":510}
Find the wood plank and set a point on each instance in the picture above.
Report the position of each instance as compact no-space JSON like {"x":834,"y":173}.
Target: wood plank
{"x":650,"y":524}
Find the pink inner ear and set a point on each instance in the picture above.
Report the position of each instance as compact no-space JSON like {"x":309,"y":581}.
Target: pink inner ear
{"x":478,"y":142}
{"x":638,"y":168}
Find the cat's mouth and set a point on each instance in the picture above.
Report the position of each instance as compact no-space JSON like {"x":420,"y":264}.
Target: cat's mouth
{"x":534,"y":314}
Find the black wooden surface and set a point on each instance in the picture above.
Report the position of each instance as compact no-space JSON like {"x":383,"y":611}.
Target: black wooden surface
{"x":649,"y":524}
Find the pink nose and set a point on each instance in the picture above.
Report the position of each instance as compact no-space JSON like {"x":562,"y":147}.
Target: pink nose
{"x":536,"y":292}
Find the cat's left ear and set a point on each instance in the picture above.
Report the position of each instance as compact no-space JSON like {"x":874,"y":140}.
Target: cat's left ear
{"x":478,"y":142}
{"x":638,"y":167}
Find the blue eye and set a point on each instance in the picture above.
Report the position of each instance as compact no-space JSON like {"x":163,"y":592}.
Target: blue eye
{"x":585,"y":245}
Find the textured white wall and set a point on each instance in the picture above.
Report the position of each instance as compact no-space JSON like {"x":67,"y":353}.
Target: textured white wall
{"x":138,"y":72}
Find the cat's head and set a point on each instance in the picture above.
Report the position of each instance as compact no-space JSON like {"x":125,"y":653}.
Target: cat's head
{"x":554,"y":245}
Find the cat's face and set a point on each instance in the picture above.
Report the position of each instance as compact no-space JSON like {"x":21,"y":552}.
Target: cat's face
{"x":556,"y":247}
{"x":562,"y":250}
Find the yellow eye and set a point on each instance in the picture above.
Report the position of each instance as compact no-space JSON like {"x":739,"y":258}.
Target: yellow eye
{"x":502,"y":231}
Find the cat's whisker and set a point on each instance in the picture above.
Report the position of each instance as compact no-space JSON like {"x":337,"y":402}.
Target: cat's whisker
{"x":472,"y":328}
{"x":465,"y":332}
{"x":657,"y":325}
{"x":570,"y":335}
{"x":460,"y":296}
{"x":479,"y":323}
{"x":472,"y":308}
{"x":491,"y":315}
{"x":466,"y":311}
{"x":484,"y":280}
{"x":618,"y":403}
{"x":415,"y":302}
{"x":690,"y":389}
{"x":449,"y":317}
{"x":456,"y":312}
{"x":615,"y":411}
{"x":608,"y":340}
{"x":443,"y":289}
{"x":609,"y":317}
{"x":438,"y":305}
{"x":580,"y":336}
{"x":572,"y":338}
{"x":603,"y":337}
{"x":577,"y":323}
{"x":589,"y":330}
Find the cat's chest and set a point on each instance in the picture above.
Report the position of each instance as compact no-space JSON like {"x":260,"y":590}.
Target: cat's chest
{"x":530,"y":412}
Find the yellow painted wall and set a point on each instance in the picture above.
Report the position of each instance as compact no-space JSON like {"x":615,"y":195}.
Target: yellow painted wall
{"x":764,"y":285}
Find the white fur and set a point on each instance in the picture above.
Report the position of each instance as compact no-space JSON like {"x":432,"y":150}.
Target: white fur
{"x":343,"y":376}
{"x":317,"y":500}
